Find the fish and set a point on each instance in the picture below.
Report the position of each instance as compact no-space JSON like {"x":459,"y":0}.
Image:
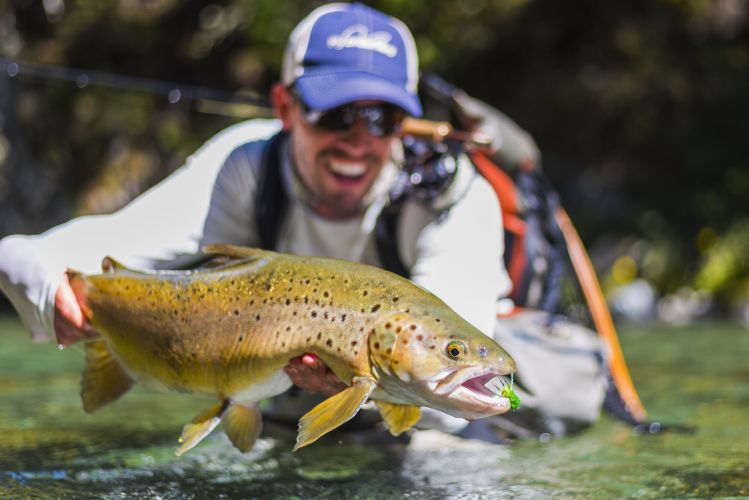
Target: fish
{"x":228,"y":329}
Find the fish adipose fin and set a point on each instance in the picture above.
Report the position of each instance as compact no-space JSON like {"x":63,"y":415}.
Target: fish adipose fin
{"x":201,"y":426}
{"x":398,"y":418}
{"x":334,"y":411}
{"x":242,"y":424}
{"x":103,"y":380}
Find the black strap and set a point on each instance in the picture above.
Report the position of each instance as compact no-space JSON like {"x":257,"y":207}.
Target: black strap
{"x":386,"y":239}
{"x":271,"y":200}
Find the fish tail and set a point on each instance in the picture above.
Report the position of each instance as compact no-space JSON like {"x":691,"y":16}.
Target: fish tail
{"x":80,"y":285}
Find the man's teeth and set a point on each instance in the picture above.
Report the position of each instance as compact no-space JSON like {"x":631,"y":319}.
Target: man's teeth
{"x":348,"y":169}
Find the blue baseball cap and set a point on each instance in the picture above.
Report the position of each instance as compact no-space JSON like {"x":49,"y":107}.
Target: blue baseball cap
{"x":344,"y":52}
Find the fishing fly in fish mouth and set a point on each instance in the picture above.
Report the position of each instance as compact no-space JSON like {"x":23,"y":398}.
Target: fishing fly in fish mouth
{"x":229,"y":331}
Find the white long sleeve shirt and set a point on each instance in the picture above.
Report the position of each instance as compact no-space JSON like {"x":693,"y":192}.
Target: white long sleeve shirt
{"x":211,"y":200}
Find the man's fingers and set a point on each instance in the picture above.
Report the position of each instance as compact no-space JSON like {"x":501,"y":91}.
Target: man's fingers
{"x":69,"y":321}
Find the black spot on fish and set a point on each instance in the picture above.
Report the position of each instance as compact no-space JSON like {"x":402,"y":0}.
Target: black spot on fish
{"x":339,"y":349}
{"x":438,"y":320}
{"x":343,"y":317}
{"x":326,"y":315}
{"x":257,"y":318}
{"x":309,"y":339}
{"x":267,"y":287}
{"x":294,"y":313}
{"x":431,"y":347}
{"x":252,"y":302}
{"x":210,"y":290}
{"x":353,"y":343}
{"x":396,"y":299}
{"x":412,"y":327}
{"x":241,"y":338}
{"x":365,"y":293}
{"x":395,"y":361}
{"x":265,"y":301}
{"x":329,"y":342}
{"x":319,"y":335}
{"x":314,"y":314}
{"x":288,"y":328}
{"x":404,"y":341}
{"x":236,"y":312}
{"x":288,"y":301}
{"x":377,"y":345}
{"x":389,"y":351}
{"x":326,"y":294}
{"x":419,"y":338}
{"x":306,"y":282}
{"x":398,"y":329}
{"x":314,"y":290}
{"x":306,"y":300}
{"x":388,"y":325}
{"x":283,"y":344}
{"x":376,"y":308}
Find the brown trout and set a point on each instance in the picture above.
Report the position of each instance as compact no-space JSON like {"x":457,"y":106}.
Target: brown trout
{"x":228,"y":331}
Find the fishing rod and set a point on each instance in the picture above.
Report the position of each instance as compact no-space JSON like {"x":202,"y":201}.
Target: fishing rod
{"x":175,"y":92}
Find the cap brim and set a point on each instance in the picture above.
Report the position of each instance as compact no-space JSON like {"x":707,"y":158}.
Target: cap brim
{"x":323,"y":92}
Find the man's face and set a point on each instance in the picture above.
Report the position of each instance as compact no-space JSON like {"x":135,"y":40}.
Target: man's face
{"x":338,"y":167}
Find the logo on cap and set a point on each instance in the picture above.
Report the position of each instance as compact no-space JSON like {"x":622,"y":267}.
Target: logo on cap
{"x":359,"y":37}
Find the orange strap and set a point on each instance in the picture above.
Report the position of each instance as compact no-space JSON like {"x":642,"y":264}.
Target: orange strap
{"x":601,"y":315}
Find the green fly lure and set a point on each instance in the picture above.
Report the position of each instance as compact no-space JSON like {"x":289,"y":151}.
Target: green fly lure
{"x":507,"y":392}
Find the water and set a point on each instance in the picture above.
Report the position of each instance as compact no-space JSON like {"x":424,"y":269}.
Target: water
{"x":697,"y":376}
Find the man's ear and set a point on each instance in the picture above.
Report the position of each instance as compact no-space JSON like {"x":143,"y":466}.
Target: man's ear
{"x":283,"y":102}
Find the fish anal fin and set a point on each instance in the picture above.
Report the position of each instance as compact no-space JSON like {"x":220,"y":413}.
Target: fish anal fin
{"x":104,"y":380}
{"x":202,"y":425}
{"x":242,"y":424}
{"x":334,"y":411}
{"x":398,"y":418}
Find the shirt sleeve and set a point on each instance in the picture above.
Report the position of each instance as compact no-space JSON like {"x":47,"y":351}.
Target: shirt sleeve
{"x":459,"y":257}
{"x":161,"y":225}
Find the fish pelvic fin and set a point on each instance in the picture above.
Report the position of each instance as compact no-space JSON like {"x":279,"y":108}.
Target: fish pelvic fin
{"x":104,"y":380}
{"x":202,"y":425}
{"x":242,"y":424}
{"x":398,"y":418}
{"x":334,"y":411}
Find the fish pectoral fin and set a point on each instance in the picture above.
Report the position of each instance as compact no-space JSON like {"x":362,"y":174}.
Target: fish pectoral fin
{"x":104,"y":380}
{"x":398,"y":418}
{"x":242,"y":424}
{"x":201,"y":426}
{"x":334,"y":411}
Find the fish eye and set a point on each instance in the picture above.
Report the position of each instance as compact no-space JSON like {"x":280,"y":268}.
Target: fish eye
{"x":455,"y":349}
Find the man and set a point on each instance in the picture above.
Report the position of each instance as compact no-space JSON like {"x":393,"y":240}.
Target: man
{"x":349,"y":77}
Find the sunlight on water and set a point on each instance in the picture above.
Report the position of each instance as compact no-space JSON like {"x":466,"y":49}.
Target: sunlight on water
{"x":50,"y":448}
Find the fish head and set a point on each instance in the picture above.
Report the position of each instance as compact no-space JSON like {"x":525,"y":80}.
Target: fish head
{"x":440,"y":362}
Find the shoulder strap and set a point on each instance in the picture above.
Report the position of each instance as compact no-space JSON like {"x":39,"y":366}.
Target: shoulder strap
{"x":386,"y":239}
{"x":271,"y":201}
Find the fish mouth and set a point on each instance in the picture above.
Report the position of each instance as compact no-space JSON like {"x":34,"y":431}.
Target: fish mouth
{"x":473,"y":393}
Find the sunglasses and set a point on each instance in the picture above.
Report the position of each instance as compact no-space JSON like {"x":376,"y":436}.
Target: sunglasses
{"x":381,"y":120}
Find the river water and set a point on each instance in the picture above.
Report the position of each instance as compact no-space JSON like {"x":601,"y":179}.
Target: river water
{"x":696,"y":376}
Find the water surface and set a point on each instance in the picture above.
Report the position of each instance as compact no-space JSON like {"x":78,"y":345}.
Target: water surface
{"x":699,"y":376}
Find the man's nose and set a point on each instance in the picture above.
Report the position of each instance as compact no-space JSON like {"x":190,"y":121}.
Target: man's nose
{"x":358,"y":138}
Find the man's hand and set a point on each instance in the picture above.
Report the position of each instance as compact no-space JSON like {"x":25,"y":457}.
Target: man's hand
{"x":310,"y":374}
{"x":70,"y":323}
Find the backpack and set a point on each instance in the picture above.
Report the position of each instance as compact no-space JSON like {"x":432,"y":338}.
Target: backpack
{"x":540,"y":241}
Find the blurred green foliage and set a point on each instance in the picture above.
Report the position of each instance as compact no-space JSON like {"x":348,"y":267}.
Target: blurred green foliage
{"x":638,"y":106}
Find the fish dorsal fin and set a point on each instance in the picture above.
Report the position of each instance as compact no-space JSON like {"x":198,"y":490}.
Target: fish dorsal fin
{"x":398,"y":418}
{"x":236,"y":252}
{"x":242,"y":424}
{"x":103,"y":380}
{"x":203,"y":423}
{"x":334,"y":411}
